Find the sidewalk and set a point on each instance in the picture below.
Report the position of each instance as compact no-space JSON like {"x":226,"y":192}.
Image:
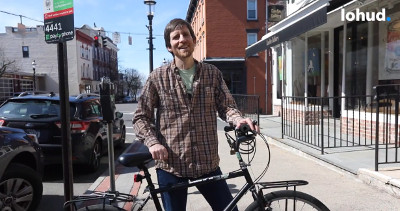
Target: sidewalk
{"x":357,"y":162}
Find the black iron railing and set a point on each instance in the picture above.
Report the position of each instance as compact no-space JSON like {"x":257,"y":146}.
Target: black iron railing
{"x":248,"y":105}
{"x":321,"y":121}
{"x":351,"y":121}
{"x":387,"y":124}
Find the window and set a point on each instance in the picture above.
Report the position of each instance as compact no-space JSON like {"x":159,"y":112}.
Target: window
{"x":88,"y":88}
{"x":91,"y":109}
{"x":251,"y":39}
{"x":25,"y":51}
{"x":251,"y":9}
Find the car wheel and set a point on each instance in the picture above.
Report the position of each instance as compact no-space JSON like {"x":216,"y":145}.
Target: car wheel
{"x":20,"y":189}
{"x":95,"y":157}
{"x":123,"y":137}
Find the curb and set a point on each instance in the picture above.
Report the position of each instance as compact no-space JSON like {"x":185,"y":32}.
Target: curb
{"x":317,"y":159}
{"x":372,"y":178}
{"x":380,"y":181}
{"x":123,"y":180}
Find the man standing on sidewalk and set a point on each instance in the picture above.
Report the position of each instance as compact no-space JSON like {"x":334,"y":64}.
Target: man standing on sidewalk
{"x":183,"y":136}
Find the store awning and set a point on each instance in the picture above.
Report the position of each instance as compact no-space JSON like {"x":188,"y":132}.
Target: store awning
{"x":298,"y":23}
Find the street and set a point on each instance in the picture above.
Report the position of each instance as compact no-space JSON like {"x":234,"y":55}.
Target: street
{"x":53,"y":187}
{"x":339,"y":190}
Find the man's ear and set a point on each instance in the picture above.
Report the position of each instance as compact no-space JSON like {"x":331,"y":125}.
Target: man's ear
{"x":169,"y":49}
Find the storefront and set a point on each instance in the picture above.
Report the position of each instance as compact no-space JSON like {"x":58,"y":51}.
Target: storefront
{"x":318,"y":52}
{"x":11,"y":84}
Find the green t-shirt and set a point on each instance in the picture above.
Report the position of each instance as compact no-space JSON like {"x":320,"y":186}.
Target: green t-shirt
{"x":187,"y":78}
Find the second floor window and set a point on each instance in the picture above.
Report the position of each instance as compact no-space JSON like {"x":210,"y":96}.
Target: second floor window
{"x":251,"y":39}
{"x":25,"y":51}
{"x":251,"y":9}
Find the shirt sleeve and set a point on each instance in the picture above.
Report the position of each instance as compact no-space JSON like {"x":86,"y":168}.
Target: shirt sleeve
{"x":143,"y":120}
{"x":226,"y":105}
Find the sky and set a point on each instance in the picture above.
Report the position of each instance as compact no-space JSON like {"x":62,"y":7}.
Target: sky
{"x":128,"y":17}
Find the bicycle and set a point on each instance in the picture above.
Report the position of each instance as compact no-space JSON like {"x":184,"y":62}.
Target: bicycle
{"x":288,"y":199}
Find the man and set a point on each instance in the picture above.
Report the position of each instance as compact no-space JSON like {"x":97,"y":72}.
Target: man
{"x":183,"y":141}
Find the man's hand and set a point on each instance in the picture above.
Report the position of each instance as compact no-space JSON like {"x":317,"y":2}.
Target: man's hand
{"x":158,"y":152}
{"x":249,"y":122}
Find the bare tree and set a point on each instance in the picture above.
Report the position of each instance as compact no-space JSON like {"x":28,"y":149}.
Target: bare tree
{"x":134,"y":81}
{"x":6,"y":65}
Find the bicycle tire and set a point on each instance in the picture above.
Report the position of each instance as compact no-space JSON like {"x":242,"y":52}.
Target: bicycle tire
{"x":101,"y":207}
{"x":275,"y":200}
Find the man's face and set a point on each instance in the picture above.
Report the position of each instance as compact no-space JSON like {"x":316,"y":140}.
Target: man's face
{"x":182,"y":43}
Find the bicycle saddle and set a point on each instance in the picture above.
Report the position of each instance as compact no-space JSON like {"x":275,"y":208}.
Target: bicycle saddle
{"x":135,"y":159}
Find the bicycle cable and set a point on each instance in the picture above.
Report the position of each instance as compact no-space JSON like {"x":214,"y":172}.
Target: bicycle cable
{"x":269,"y":159}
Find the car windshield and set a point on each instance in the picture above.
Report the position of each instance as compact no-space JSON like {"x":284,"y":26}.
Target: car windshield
{"x":32,"y":109}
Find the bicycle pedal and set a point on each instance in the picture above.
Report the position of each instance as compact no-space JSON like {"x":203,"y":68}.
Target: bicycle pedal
{"x":146,"y":189}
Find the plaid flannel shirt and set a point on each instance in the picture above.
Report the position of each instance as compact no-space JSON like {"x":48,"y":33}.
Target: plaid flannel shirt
{"x":186,"y":126}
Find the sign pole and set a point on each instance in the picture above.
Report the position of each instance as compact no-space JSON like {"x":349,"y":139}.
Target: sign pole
{"x":65,"y":121}
{"x":59,"y":28}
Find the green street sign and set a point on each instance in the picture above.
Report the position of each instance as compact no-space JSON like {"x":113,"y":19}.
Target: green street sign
{"x":58,"y":20}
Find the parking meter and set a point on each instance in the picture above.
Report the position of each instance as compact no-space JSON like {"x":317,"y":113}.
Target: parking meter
{"x":107,"y":99}
{"x":107,"y":102}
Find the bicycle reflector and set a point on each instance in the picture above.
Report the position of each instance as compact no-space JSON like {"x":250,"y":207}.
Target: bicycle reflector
{"x":138,"y":177}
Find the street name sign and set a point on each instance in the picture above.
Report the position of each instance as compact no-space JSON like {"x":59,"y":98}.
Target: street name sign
{"x":58,"y":21}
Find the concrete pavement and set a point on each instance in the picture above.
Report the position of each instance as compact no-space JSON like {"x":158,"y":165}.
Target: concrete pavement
{"x":340,"y":172}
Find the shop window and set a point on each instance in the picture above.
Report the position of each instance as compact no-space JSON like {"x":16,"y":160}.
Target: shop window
{"x":251,"y":9}
{"x":25,"y":51}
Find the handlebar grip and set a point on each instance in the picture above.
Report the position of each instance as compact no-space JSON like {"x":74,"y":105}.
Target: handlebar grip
{"x":228,"y":128}
{"x":244,"y":128}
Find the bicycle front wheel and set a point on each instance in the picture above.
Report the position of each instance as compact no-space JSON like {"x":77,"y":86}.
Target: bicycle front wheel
{"x":289,"y":200}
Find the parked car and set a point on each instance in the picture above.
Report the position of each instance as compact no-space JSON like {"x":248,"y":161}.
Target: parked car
{"x":128,"y":99}
{"x":39,"y":114}
{"x":21,"y":170}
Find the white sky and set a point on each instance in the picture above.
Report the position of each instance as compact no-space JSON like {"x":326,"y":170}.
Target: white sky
{"x":124,"y":16}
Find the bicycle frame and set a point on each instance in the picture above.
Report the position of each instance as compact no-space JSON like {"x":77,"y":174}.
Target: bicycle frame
{"x":234,"y":174}
{"x":255,"y":188}
{"x":243,"y":172}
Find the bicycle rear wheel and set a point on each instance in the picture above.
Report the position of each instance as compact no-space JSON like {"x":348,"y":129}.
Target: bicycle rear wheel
{"x":289,"y":200}
{"x":101,"y":207}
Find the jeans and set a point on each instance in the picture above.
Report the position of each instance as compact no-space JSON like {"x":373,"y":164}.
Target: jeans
{"x":217,"y":193}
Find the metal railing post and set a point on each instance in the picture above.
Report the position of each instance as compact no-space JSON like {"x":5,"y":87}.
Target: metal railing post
{"x":282,"y":119}
{"x":322,"y":125}
{"x":377,"y":130}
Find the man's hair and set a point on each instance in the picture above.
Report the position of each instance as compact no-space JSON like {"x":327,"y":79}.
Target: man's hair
{"x":172,"y":25}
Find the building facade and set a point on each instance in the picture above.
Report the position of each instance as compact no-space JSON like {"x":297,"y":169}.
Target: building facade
{"x":223,"y":29}
{"x":86,"y":62}
{"x":333,"y":49}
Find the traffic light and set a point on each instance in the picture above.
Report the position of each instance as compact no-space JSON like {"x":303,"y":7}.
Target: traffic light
{"x":105,"y":41}
{"x":96,"y":41}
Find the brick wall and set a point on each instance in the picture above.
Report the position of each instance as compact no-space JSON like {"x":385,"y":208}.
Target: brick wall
{"x":367,"y":129}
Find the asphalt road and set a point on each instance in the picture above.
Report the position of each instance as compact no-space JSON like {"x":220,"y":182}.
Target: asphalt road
{"x":53,"y":184}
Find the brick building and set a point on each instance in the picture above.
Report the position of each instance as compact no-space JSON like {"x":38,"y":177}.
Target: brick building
{"x":223,"y":30}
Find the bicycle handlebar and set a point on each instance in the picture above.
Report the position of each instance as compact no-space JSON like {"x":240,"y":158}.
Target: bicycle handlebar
{"x":242,"y":135}
{"x":244,"y":128}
